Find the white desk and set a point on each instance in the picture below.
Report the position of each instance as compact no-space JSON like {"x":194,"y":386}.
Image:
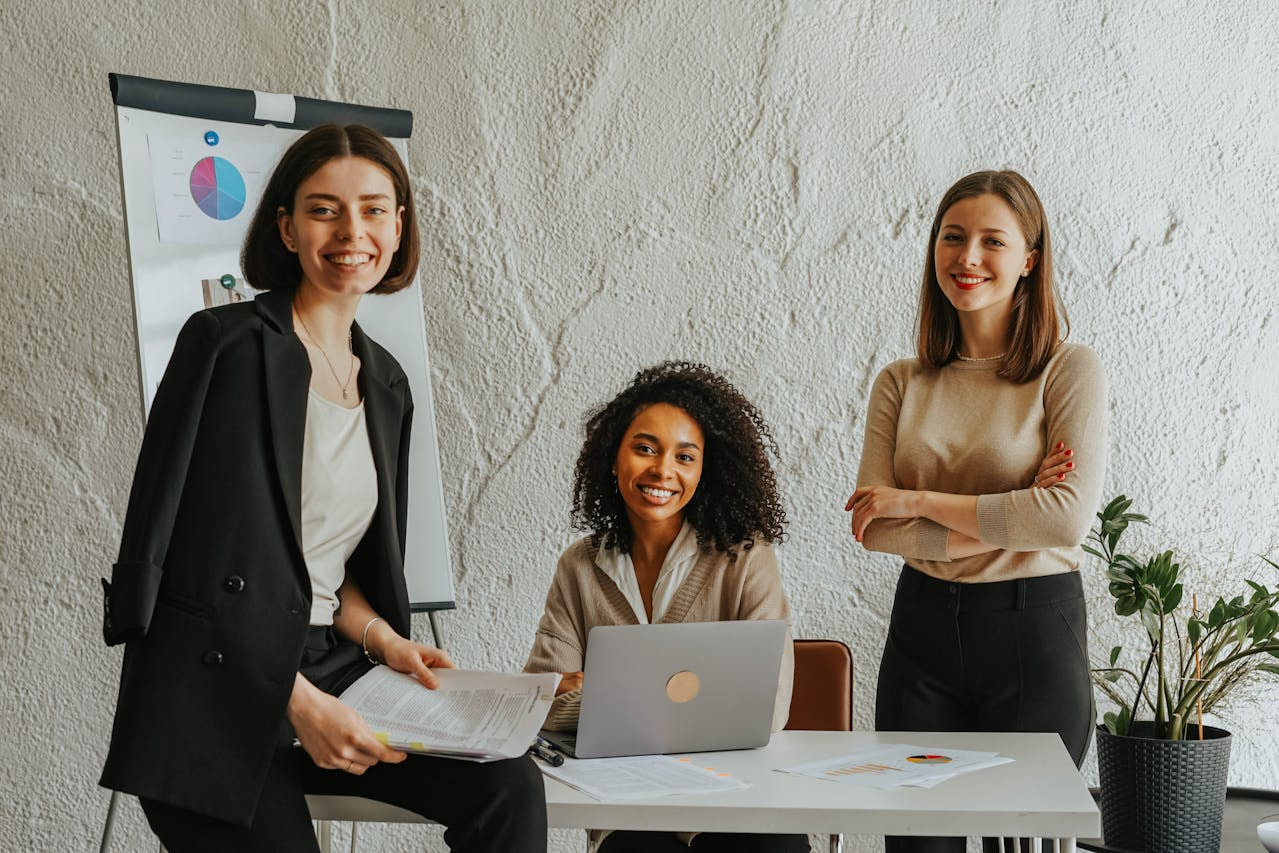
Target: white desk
{"x":1040,"y":794}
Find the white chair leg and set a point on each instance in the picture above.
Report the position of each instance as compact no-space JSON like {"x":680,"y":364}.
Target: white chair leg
{"x":109,"y":823}
{"x":353,"y":825}
{"x":837,"y":843}
{"x":1065,"y":845}
{"x":324,"y":834}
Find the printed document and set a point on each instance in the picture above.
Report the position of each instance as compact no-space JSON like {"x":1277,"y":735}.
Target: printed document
{"x":894,"y":765}
{"x":481,"y":716}
{"x":643,"y":776}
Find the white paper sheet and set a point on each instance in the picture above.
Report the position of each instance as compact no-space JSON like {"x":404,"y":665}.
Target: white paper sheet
{"x":898,"y":764}
{"x":483,"y":716}
{"x":641,"y":777}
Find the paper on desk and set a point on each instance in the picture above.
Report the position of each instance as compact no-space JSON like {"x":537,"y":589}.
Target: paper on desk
{"x":481,"y":716}
{"x":640,"y":777}
{"x":895,"y":765}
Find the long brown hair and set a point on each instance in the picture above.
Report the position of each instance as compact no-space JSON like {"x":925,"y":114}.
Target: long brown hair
{"x":1038,"y":316}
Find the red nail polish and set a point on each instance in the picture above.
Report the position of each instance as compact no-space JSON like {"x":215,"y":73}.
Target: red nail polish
{"x":1070,"y":452}
{"x":1070,"y":464}
{"x":1059,"y":444}
{"x":1061,"y":476}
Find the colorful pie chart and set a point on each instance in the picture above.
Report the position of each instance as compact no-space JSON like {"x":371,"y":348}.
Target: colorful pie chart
{"x":217,"y":188}
{"x":928,"y":759}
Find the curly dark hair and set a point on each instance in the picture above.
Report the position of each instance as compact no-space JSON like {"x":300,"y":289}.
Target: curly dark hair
{"x":736,"y":501}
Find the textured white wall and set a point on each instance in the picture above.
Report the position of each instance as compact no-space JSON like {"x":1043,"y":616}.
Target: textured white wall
{"x":608,"y":184}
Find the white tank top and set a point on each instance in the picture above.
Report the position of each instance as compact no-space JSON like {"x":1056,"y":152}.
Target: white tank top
{"x":339,"y":497}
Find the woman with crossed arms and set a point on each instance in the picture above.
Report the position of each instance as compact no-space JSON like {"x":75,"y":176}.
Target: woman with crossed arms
{"x":982,"y":467}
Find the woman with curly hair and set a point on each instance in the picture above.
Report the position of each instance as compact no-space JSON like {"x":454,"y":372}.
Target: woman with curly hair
{"x":675,"y":489}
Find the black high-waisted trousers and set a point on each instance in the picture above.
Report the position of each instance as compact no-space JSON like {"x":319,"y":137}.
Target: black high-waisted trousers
{"x":1007,"y":656}
{"x":499,"y":805}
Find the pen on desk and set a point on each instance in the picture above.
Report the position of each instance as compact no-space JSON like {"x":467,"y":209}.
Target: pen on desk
{"x":543,"y":750}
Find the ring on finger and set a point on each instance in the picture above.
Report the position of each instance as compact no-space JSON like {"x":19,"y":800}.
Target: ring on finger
{"x":349,"y":764}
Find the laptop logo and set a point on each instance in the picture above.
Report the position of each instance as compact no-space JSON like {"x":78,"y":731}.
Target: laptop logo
{"x":683,"y":686}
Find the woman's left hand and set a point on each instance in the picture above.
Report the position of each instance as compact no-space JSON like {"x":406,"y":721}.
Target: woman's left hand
{"x":416,"y":660}
{"x":871,"y":502}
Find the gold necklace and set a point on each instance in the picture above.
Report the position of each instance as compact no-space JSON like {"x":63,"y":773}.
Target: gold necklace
{"x":351,"y":366}
{"x":988,"y":358}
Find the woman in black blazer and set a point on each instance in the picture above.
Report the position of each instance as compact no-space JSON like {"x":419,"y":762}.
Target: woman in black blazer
{"x":258,"y":575}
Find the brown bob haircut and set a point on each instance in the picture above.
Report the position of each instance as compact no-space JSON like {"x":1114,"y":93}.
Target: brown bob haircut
{"x":267,"y":264}
{"x":1037,"y":315}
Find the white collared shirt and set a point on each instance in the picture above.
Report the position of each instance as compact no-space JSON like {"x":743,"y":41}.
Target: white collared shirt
{"x":679,"y":562}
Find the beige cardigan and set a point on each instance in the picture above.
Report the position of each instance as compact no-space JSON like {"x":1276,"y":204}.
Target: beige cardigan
{"x":717,"y":589}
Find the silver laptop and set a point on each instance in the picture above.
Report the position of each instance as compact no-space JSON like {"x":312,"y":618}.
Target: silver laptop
{"x":687,"y":687}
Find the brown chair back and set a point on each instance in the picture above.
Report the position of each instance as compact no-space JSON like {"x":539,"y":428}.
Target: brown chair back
{"x":822,"y":698}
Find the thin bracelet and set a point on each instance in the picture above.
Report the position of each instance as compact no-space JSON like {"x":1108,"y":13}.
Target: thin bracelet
{"x":364,"y":638}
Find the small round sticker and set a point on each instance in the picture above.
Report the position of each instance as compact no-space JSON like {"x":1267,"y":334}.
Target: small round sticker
{"x":211,"y":137}
{"x":227,"y":281}
{"x":683,"y":686}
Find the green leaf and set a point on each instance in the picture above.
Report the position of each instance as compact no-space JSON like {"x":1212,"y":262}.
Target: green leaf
{"x":1112,"y":676}
{"x":1150,"y":619}
{"x":1093,"y":551}
{"x":1111,"y":719}
{"x":1117,"y":574}
{"x":1194,"y":630}
{"x":1173,"y":599}
{"x":1272,"y":668}
{"x":1116,"y":506}
{"x":1263,"y":626}
{"x":1217,"y":615}
{"x":1114,"y":654}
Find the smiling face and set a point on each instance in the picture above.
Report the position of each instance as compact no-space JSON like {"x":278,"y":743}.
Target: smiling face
{"x":980,"y":255}
{"x":344,"y":227}
{"x":658,"y":467}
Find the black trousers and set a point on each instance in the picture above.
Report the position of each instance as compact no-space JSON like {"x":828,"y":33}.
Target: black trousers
{"x":1008,"y":656}
{"x":498,"y":805}
{"x":707,"y":842}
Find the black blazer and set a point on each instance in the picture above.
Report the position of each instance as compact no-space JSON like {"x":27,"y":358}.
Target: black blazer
{"x":210,"y":592}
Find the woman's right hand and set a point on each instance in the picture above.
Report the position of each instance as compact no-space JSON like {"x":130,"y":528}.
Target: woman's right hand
{"x":568,"y":682}
{"x":1056,"y":465}
{"x":333,"y":734}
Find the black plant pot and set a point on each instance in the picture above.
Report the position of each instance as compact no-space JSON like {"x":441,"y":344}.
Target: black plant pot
{"x":1163,"y":796}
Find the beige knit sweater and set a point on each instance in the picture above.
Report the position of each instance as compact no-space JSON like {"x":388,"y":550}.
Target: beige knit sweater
{"x":717,"y":589}
{"x":962,"y":430}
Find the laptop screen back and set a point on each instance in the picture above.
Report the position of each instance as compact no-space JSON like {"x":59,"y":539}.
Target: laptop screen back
{"x":687,"y":687}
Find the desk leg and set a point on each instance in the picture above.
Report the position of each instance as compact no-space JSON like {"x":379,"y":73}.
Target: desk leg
{"x":1066,"y":845}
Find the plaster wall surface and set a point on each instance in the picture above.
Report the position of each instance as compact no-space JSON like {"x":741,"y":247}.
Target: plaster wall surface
{"x":606,"y":184}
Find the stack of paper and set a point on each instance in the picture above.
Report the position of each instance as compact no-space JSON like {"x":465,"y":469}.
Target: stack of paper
{"x":894,"y":765}
{"x":480,"y":716}
{"x":639,"y":777}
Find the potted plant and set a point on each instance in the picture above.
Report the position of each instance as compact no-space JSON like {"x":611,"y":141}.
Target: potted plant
{"x":1163,"y":779}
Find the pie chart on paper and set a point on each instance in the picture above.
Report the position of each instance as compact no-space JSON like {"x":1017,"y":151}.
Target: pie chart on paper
{"x":217,"y":188}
